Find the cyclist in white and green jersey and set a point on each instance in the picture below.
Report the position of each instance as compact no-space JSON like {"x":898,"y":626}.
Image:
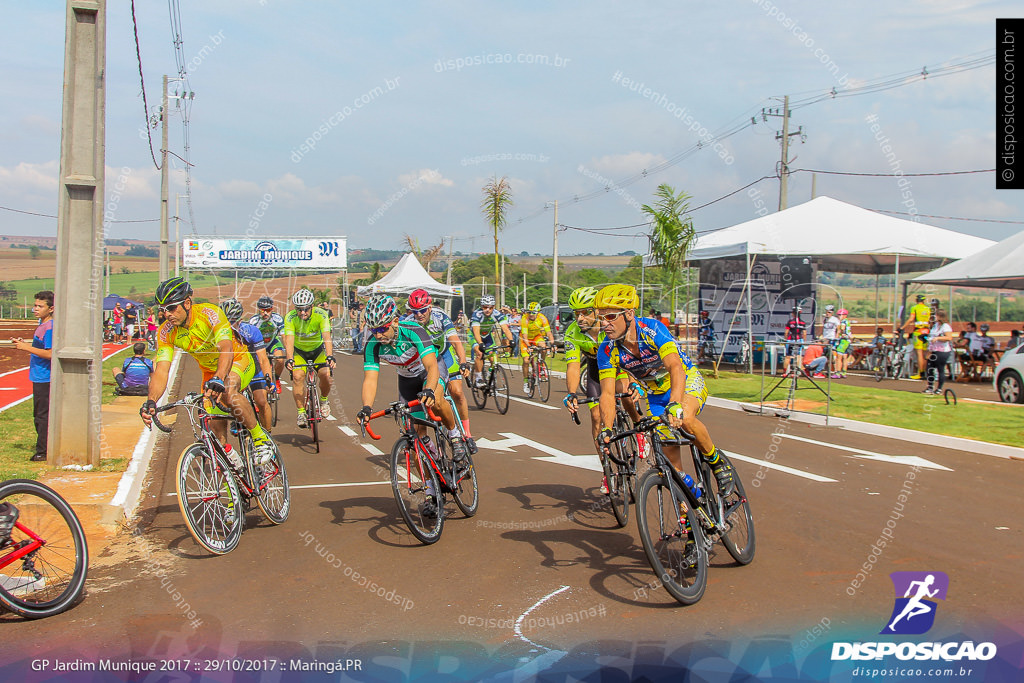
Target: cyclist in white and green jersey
{"x":307,"y":334}
{"x":482,"y":323}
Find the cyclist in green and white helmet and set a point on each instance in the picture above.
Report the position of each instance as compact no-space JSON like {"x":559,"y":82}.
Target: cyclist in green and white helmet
{"x":307,"y":335}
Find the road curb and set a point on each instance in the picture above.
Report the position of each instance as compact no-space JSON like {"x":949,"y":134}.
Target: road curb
{"x":901,"y":433}
{"x":129,"y":488}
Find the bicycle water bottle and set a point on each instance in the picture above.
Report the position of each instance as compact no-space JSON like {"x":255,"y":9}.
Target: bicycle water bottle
{"x":690,"y":484}
{"x":430,"y":448}
{"x":233,"y":459}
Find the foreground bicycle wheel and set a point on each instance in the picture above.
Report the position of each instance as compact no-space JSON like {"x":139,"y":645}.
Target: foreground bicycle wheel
{"x":480,"y":393}
{"x":210,"y":501}
{"x":417,"y":491}
{"x":543,"y":382}
{"x":51,"y":579}
{"x":679,"y":556}
{"x":739,"y":540}
{"x":270,"y":482}
{"x":466,"y":491}
{"x":499,"y":387}
{"x":620,"y":483}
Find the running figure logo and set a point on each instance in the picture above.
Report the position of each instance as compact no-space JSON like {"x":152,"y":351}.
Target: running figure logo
{"x":914,"y":612}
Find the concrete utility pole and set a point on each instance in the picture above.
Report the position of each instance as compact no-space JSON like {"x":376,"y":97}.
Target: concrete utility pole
{"x":554,"y":269}
{"x":76,"y":368}
{"x":448,"y":276}
{"x":164,"y":264}
{"x":784,"y":136}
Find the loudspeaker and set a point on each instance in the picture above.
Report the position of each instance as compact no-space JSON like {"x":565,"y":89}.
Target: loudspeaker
{"x":797,"y":278}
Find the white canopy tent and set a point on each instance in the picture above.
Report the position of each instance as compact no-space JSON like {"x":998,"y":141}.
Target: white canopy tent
{"x":406,"y":276}
{"x":1000,"y":266}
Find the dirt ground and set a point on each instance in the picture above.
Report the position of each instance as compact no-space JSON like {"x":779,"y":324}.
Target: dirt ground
{"x":11,"y":358}
{"x":16,"y":264}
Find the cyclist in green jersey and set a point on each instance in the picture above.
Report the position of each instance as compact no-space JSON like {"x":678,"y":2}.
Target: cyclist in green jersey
{"x":307,"y":334}
{"x":481,"y":326}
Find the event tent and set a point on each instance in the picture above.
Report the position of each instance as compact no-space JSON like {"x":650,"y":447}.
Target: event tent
{"x":1001,"y":266}
{"x":406,"y":276}
{"x":840,"y":237}
{"x":111,"y":299}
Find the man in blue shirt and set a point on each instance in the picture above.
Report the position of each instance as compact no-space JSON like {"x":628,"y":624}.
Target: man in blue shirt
{"x":252,"y":337}
{"x":133,"y":379}
{"x":39,"y":368}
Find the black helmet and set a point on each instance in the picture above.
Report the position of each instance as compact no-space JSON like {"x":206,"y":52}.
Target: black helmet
{"x":265,"y":303}
{"x":920,"y":297}
{"x":983,"y":327}
{"x":232,"y":310}
{"x":172,"y":291}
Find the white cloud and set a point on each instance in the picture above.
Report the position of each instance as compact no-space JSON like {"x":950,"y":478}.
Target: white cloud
{"x":625,"y":164}
{"x":426,"y":176}
{"x":27,"y":177}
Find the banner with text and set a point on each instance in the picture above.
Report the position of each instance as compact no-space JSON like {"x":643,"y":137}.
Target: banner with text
{"x":247,"y":253}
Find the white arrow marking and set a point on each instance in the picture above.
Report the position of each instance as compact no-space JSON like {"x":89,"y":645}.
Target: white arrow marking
{"x":782,"y":468}
{"x":586,"y":462}
{"x":871,"y":455}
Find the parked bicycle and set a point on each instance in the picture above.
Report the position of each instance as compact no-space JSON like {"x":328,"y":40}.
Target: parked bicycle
{"x":741,"y":358}
{"x":894,"y":360}
{"x":539,"y":383}
{"x":706,"y":351}
{"x":423,"y":471}
{"x":44,"y":557}
{"x":495,"y":383}
{"x":620,"y":466}
{"x":214,"y":495}
{"x":679,"y":520}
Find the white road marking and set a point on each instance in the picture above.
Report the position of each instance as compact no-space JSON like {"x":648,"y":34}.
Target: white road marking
{"x":346,"y":430}
{"x":782,"y":468}
{"x":588,"y":461}
{"x":532,"y":403}
{"x":519,"y":622}
{"x":327,"y":486}
{"x":371,"y":449}
{"x":907,"y":460}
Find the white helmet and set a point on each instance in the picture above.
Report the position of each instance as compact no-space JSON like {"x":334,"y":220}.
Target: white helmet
{"x":303,"y":298}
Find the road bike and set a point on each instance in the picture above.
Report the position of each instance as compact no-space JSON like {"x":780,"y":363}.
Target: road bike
{"x":620,"y":465}
{"x":273,"y":396}
{"x":742,"y":356}
{"x":706,"y":352}
{"x":44,"y":561}
{"x":314,"y":413}
{"x":213,"y":495}
{"x":495,"y":383}
{"x":894,"y":360}
{"x":424,"y":471}
{"x":679,"y":523}
{"x":539,"y":382}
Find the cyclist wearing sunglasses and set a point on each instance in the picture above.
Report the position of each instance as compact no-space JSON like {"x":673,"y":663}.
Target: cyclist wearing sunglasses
{"x":535,"y":331}
{"x":407,"y":346}
{"x":451,"y":354}
{"x":482,"y":324}
{"x":271,"y":325}
{"x":307,"y":334}
{"x":202,"y":331}
{"x":251,"y":336}
{"x":645,"y":349}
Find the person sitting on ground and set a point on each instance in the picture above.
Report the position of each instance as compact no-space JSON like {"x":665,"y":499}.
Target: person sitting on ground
{"x":815,"y":361}
{"x":133,"y":377}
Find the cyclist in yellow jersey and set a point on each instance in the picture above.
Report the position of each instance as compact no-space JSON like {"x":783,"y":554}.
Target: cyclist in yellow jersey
{"x":202,"y":331}
{"x":918,"y":323}
{"x":307,"y":334}
{"x":534,"y":327}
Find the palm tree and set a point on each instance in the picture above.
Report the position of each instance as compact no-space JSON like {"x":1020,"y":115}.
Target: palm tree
{"x":424,"y":256}
{"x":672,"y":233}
{"x":497,"y":200}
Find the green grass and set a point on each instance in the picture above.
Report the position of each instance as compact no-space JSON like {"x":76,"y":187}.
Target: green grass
{"x":121,"y":284}
{"x":20,"y":435}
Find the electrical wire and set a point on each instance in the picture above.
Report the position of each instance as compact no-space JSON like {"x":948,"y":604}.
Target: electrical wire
{"x":46,"y":215}
{"x":142,"y":81}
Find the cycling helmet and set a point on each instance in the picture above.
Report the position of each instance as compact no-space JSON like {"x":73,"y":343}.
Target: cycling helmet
{"x":983,"y":327}
{"x":265,"y":303}
{"x":582,"y":297}
{"x":829,"y":308}
{"x":172,"y":291}
{"x":534,"y":307}
{"x":232,"y":310}
{"x":303,"y":298}
{"x":617,"y":296}
{"x":842,"y":311}
{"x":419,"y":299}
{"x":703,"y":314}
{"x":381,"y":309}
{"x":486,"y":300}
{"x":920,"y":297}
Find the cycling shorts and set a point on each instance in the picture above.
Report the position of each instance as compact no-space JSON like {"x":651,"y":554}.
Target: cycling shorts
{"x":525,"y":344}
{"x":449,"y":362}
{"x":486,"y":344}
{"x":317,"y":355}
{"x":841,"y":345}
{"x":918,"y":342}
{"x":694,"y":387}
{"x":410,"y":387}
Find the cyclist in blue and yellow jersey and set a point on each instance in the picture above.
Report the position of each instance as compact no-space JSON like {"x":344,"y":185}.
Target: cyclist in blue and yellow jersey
{"x":202,"y":331}
{"x":918,"y":324}
{"x":407,"y":346}
{"x":449,"y":349}
{"x":535,"y":330}
{"x":645,"y":349}
{"x":251,"y":336}
{"x":481,"y":326}
{"x":307,"y":334}
{"x":271,"y":326}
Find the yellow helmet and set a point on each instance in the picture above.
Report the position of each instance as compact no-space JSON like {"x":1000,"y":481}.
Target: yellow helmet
{"x":534,"y":307}
{"x":582,"y":298}
{"x":617,"y":296}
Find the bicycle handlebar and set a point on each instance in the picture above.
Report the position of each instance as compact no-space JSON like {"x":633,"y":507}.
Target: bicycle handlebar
{"x":191,"y":400}
{"x":395,"y":407}
{"x":592,"y":401}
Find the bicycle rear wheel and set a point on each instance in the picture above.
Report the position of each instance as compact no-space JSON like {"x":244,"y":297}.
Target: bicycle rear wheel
{"x":417,"y":491}
{"x":739,"y":539}
{"x":50,"y":579}
{"x":466,"y":491}
{"x":531,"y":383}
{"x":678,"y":555}
{"x":499,"y":387}
{"x":270,"y":485}
{"x":881,"y":369}
{"x":209,"y":499}
{"x":543,"y":382}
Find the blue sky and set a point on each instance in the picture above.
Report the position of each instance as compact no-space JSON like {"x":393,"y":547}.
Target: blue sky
{"x":412,"y":159}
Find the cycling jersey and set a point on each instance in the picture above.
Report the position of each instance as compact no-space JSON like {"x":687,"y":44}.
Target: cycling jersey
{"x":199,"y":338}
{"x":251,"y":336}
{"x":796,"y":329}
{"x":579,"y":345}
{"x":538,"y":327}
{"x":270,"y":328}
{"x":830,"y":327}
{"x":439,"y":326}
{"x":405,"y":352}
{"x":706,"y":329}
{"x":920,"y":315}
{"x":486,"y":323}
{"x":309,"y":334}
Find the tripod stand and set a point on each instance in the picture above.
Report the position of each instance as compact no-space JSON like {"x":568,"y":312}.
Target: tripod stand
{"x":793,"y":378}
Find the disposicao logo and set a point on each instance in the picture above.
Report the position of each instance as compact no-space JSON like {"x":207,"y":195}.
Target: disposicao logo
{"x":913,"y":613}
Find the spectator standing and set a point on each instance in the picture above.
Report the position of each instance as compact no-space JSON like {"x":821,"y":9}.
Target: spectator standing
{"x":356,"y":319}
{"x":940,"y":346}
{"x":133,"y":379}
{"x":131,"y":316}
{"x":515,"y":320}
{"x":117,"y":315}
{"x":843,"y":339}
{"x":830,"y":332}
{"x":39,"y":368}
{"x":796,"y":330}
{"x":151,"y":329}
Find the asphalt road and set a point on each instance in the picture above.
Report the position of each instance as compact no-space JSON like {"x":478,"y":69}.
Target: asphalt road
{"x":542,"y":570}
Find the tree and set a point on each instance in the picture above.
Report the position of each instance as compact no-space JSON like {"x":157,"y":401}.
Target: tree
{"x":497,"y":200}
{"x":33,"y":251}
{"x":672,"y":233}
{"x":7,"y":292}
{"x":424,"y":256}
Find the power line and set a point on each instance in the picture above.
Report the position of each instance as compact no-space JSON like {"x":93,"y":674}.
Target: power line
{"x":174,"y":10}
{"x":46,"y":215}
{"x":950,"y":218}
{"x":891,"y":175}
{"x":142,"y":81}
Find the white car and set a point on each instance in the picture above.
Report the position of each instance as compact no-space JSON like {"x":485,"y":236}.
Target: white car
{"x":1007,"y":378}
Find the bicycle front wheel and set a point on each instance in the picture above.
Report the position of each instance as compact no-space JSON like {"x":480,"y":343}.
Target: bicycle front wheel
{"x":270,"y":485}
{"x":50,"y":579}
{"x":543,"y":381}
{"x":880,"y":370}
{"x":210,"y":501}
{"x":273,"y":409}
{"x":677,"y":551}
{"x":417,"y":491}
{"x":499,"y":386}
{"x":739,"y":538}
{"x":479,"y":393}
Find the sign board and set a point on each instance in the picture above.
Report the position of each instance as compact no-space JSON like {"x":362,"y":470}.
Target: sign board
{"x":249,"y":253}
